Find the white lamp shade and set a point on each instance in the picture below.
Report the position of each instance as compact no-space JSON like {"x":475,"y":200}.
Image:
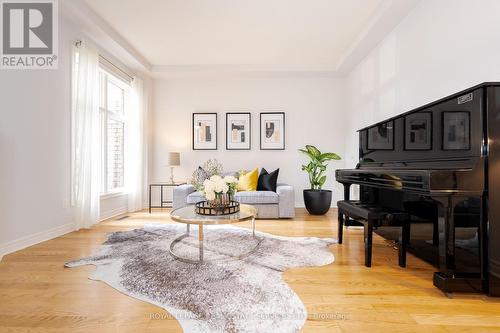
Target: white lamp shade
{"x":174,"y":159}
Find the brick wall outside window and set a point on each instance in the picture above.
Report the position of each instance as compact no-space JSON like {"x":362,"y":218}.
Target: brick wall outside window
{"x":112,"y":107}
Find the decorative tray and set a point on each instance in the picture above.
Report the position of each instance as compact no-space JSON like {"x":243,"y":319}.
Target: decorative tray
{"x":205,"y":208}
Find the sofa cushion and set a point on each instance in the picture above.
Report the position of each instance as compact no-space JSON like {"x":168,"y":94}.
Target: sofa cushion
{"x":195,"y":197}
{"x":257,"y":197}
{"x":231,"y":173}
{"x":248,"y":181}
{"x":199,"y":175}
{"x":267,"y":181}
{"x":246,"y":197}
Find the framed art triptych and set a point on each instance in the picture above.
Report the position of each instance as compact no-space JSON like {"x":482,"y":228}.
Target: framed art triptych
{"x":239,"y":131}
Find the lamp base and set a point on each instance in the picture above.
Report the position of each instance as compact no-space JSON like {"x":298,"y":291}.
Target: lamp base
{"x":172,"y":176}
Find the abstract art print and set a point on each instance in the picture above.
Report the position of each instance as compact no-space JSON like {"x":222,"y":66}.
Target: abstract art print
{"x":272,"y":131}
{"x":381,"y":136}
{"x":456,"y":130}
{"x":238,"y":131}
{"x":204,"y":131}
{"x":418,"y":131}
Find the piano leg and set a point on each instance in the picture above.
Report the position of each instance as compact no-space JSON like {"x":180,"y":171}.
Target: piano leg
{"x":446,"y":227}
{"x":347,"y":196}
{"x":403,"y":243}
{"x":447,"y":279}
{"x":368,"y":243}
{"x":347,"y":191}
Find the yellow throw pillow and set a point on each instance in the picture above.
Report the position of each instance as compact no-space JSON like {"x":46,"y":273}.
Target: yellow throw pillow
{"x":248,"y":181}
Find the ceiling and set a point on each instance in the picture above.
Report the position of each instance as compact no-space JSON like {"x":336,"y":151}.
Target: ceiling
{"x":301,"y":33}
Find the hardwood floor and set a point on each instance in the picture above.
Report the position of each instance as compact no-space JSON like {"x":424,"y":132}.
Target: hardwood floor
{"x":38,"y":295}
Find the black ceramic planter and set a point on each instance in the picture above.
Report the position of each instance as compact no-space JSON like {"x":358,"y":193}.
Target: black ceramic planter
{"x":317,"y":202}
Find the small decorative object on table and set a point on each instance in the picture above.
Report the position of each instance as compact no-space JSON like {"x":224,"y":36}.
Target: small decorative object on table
{"x":219,"y":193}
{"x":206,"y":208}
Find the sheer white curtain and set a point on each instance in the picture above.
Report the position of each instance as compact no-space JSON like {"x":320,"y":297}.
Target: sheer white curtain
{"x":85,"y":136}
{"x":136,"y":145}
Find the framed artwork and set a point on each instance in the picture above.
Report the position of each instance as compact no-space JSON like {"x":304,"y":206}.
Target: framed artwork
{"x":418,"y":131}
{"x":272,"y":131}
{"x":204,"y":131}
{"x":238,"y":131}
{"x":381,"y":136}
{"x":456,"y":130}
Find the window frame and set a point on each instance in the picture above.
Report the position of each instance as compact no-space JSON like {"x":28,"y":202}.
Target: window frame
{"x":106,"y":77}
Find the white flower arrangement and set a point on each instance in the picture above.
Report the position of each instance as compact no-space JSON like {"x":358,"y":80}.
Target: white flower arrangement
{"x":216,"y":186}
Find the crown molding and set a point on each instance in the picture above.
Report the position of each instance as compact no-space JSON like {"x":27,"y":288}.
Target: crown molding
{"x":103,"y":35}
{"x":383,"y":22}
{"x":176,"y":71}
{"x":389,"y":14}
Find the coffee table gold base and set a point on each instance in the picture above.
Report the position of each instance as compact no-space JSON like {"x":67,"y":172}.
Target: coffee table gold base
{"x":201,"y":246}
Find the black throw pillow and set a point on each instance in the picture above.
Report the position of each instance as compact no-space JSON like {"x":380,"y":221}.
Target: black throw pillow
{"x":267,"y":181}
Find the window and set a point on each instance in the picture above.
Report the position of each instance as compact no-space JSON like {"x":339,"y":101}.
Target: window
{"x":112,"y":106}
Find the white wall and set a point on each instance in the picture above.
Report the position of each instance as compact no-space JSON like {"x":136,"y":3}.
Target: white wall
{"x":441,"y":47}
{"x":314,"y":109}
{"x":35,"y":150}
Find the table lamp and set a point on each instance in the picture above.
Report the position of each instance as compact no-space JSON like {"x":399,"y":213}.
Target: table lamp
{"x":174,"y":159}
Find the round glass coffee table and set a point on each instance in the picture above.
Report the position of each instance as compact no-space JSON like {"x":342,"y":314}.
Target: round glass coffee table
{"x":188,"y":216}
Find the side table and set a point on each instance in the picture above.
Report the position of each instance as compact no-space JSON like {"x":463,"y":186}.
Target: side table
{"x":163,"y":203}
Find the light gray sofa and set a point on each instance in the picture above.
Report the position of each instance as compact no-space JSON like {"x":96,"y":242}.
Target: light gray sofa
{"x":270,"y":205}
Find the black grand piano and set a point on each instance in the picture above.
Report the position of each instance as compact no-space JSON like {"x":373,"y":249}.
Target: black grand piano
{"x":441,"y":164}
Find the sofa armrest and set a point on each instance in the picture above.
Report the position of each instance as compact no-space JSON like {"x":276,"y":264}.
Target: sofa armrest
{"x":181,"y":193}
{"x":286,"y":204}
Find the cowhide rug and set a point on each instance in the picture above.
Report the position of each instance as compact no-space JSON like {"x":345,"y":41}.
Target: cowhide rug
{"x":245,"y":295}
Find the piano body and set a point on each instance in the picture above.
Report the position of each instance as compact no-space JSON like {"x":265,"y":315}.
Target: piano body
{"x":441,"y":164}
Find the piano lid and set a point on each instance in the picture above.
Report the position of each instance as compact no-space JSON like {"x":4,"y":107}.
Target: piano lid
{"x":428,"y":105}
{"x":448,"y":130}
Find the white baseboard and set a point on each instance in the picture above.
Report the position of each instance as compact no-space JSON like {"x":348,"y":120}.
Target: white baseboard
{"x":30,"y":240}
{"x":112,"y":213}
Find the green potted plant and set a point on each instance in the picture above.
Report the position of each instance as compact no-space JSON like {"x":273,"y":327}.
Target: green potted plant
{"x":317,"y":200}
